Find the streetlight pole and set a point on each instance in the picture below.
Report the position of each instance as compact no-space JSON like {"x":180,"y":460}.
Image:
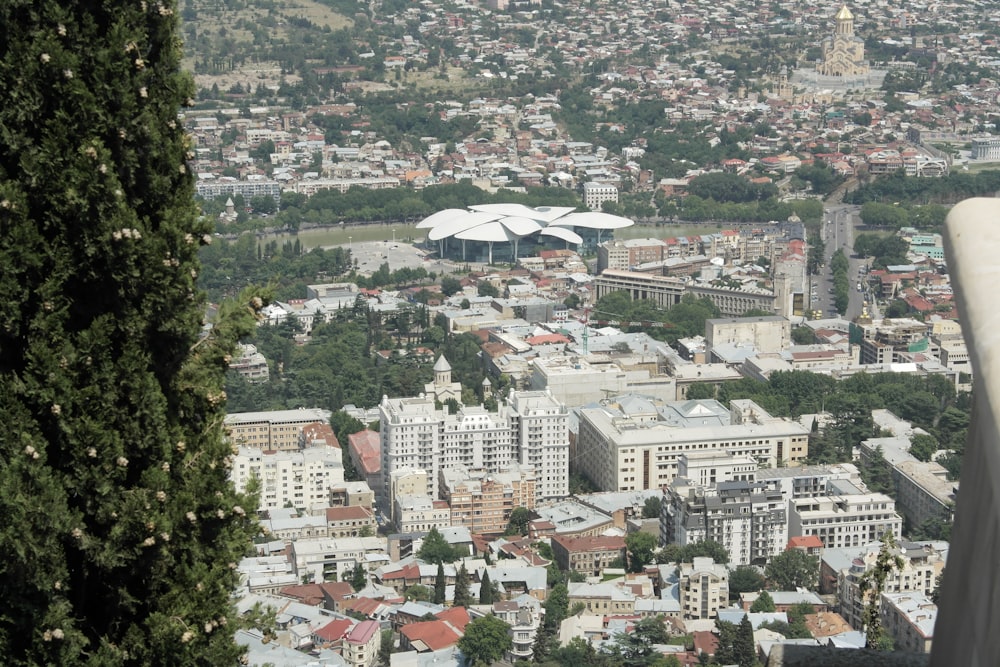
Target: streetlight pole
{"x":350,"y":247}
{"x":394,"y":237}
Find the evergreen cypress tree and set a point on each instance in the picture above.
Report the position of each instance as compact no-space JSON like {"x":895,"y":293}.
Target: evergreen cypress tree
{"x":120,"y":529}
{"x":485,"y":589}
{"x":440,"y":586}
{"x":462,"y":596}
{"x":744,"y":649}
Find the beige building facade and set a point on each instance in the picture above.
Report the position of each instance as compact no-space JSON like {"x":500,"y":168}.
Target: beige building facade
{"x":272,"y":430}
{"x":635,"y":444}
{"x":703,"y":588}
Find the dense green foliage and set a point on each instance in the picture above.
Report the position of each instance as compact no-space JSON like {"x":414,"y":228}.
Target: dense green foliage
{"x":910,"y":191}
{"x":792,"y":569}
{"x":440,"y":585}
{"x":693,"y":207}
{"x":736,"y":645}
{"x":652,"y":507}
{"x":724,"y":187}
{"x":683,"y":320}
{"x":640,"y":547}
{"x":485,"y":641}
{"x":929,"y":402}
{"x":486,"y":591}
{"x":518,"y":522}
{"x":675,"y":553}
{"x":744,"y":579}
{"x":763,"y":603}
{"x":886,"y":250}
{"x":435,"y":549}
{"x":841,"y":280}
{"x":121,"y":530}
{"x":359,"y":204}
{"x":795,"y":628}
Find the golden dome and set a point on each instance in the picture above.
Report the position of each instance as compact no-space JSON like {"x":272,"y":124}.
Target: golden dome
{"x":845,"y":14}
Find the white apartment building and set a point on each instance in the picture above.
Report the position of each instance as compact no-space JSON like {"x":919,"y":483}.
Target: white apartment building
{"x":541,"y":429}
{"x":632,"y":443}
{"x":323,"y":557}
{"x":302,"y":478}
{"x":595,"y":194}
{"x":530,"y":428}
{"x":910,"y":619}
{"x":747,"y":518}
{"x":714,"y":467}
{"x":810,"y":481}
{"x":922,"y":564}
{"x":418,"y":513}
{"x":766,"y":334}
{"x":250,"y":364}
{"x":703,"y":588}
{"x":845,"y":521}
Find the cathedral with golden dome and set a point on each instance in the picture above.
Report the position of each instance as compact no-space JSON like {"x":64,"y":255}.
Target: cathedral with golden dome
{"x":843,"y":51}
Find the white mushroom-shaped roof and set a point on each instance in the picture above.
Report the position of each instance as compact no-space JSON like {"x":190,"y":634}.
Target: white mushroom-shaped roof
{"x":542,"y":213}
{"x":452,"y":226}
{"x":441,"y":217}
{"x":506,"y":222}
{"x":562,"y":233}
{"x":593,"y":220}
{"x":491,"y":231}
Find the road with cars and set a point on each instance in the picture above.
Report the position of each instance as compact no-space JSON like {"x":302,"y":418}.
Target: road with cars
{"x":838,"y":231}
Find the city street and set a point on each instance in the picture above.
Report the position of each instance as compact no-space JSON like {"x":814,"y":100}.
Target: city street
{"x":838,"y":231}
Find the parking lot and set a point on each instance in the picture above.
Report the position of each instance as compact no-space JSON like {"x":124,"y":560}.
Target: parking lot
{"x":370,"y":255}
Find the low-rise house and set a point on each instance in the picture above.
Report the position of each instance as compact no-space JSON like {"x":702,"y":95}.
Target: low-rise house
{"x":514,"y":579}
{"x":607,"y":598}
{"x":419,"y":513}
{"x":426,"y":636}
{"x":523,"y":615}
{"x":350,"y":521}
{"x":588,"y":555}
{"x":325,"y":559}
{"x":331,"y":635}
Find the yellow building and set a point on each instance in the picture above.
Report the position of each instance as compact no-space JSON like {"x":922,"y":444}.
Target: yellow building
{"x":843,"y":52}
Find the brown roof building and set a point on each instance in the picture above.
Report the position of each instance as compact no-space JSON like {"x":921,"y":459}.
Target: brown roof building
{"x":587,"y":555}
{"x":365,"y":450}
{"x":349,"y":521}
{"x":318,"y":434}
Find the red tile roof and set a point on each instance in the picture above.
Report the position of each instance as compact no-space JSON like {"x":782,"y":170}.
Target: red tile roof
{"x":457,"y":616}
{"x":363,"y":606}
{"x":546,"y":339}
{"x":362,"y":632}
{"x":408,"y":571}
{"x":319,"y":433}
{"x":805,"y":542}
{"x":367,"y":446}
{"x":596,"y":543}
{"x":430,"y":635}
{"x":334,"y":630}
{"x":348,"y":513}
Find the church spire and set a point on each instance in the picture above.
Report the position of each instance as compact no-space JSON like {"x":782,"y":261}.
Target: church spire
{"x":845,"y":21}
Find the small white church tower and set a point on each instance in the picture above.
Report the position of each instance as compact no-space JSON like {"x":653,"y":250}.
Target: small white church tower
{"x":443,"y":388}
